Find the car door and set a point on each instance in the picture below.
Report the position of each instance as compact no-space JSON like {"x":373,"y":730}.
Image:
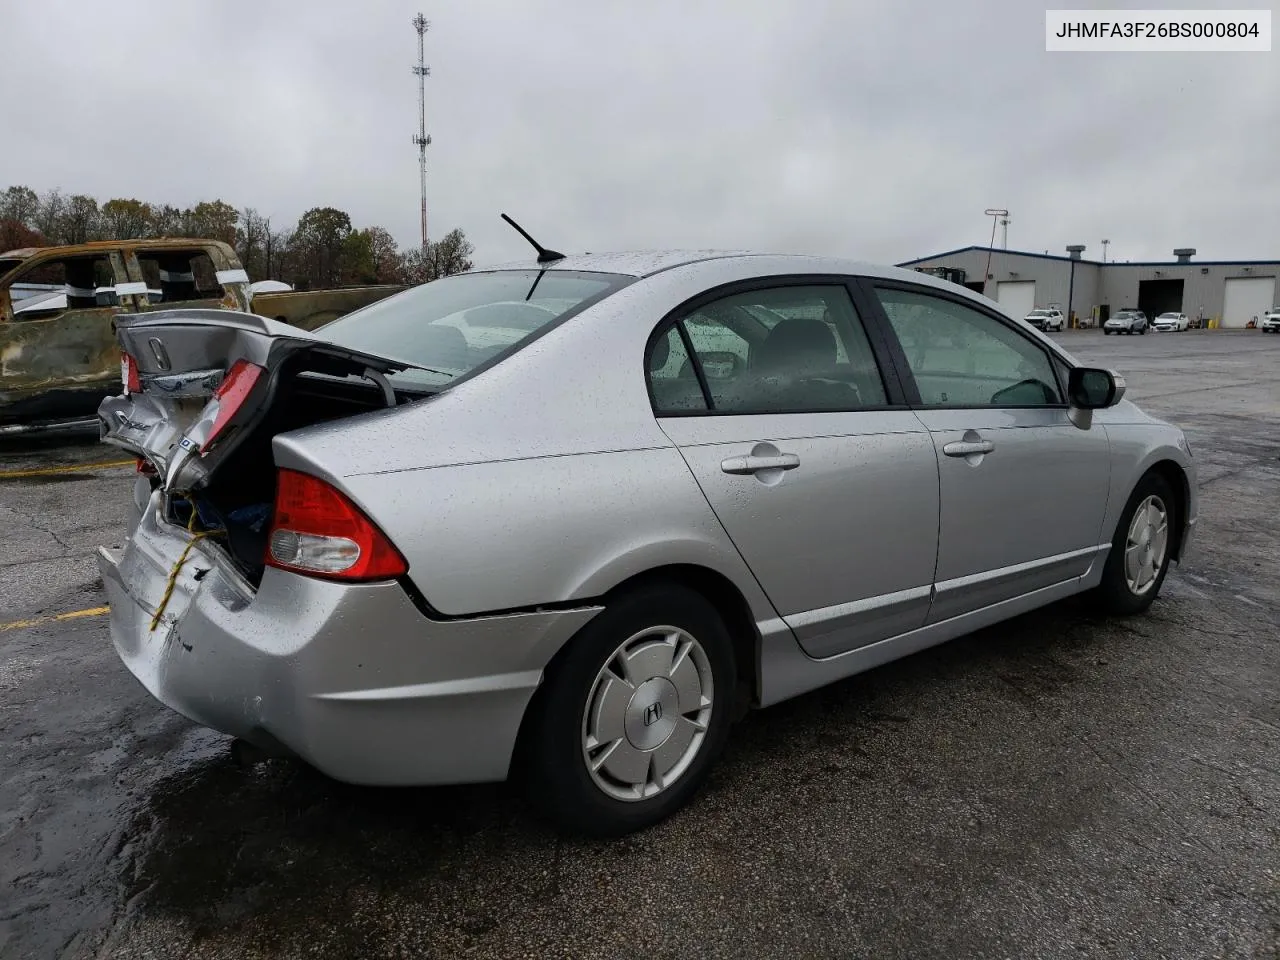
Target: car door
{"x":825,"y":481}
{"x":1023,"y":489}
{"x":58,"y":361}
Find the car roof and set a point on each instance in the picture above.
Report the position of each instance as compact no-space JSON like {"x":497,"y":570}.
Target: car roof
{"x":646,"y":263}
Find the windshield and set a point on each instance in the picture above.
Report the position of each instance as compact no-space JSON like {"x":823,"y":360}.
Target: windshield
{"x":1167,"y":316}
{"x":1038,"y":313}
{"x":456,"y":325}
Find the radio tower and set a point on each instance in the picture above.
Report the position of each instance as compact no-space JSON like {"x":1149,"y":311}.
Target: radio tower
{"x":422,"y":25}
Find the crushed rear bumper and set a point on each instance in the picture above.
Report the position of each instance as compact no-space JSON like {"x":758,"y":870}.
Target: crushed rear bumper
{"x":354,"y":679}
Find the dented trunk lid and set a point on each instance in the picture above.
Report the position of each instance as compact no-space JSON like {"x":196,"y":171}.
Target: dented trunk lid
{"x":203,"y":379}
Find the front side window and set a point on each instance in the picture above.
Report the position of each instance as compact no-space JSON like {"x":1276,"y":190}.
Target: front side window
{"x":786,"y":349}
{"x":449,"y":327}
{"x":961,"y":357}
{"x":74,"y":283}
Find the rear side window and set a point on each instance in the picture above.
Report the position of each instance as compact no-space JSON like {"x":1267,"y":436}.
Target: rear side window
{"x":962,"y":357}
{"x":175,"y":277}
{"x":790,"y":349}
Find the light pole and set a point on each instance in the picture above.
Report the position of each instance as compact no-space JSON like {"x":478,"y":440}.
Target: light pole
{"x":1074,"y":250}
{"x":994,"y":215}
{"x":1104,"y":250}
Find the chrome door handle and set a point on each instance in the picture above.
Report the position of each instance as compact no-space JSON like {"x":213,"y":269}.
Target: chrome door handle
{"x":783,"y":461}
{"x":966,"y":448}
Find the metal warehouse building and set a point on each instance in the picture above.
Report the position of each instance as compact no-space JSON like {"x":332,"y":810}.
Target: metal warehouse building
{"x":1231,"y":292}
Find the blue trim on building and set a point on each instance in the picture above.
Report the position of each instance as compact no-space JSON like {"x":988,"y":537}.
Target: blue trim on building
{"x":1097,"y":263}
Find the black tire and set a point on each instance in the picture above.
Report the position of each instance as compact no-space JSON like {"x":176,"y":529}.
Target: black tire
{"x":1114,"y":595}
{"x":552,"y":762}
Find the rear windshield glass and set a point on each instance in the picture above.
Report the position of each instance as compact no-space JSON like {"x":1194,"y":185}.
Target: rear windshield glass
{"x":457,"y":324}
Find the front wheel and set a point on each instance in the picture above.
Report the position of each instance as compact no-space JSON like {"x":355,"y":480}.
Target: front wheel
{"x":1140,"y":550}
{"x":629,"y":723}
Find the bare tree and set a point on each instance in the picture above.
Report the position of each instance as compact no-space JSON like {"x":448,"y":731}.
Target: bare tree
{"x":251,"y":238}
{"x":166,"y":221}
{"x":444,"y":257}
{"x":126,"y":219}
{"x":48,"y":218}
{"x":80,"y":221}
{"x":19,"y":204}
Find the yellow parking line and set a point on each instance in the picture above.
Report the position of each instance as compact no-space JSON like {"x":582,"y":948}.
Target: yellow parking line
{"x":51,"y":471}
{"x":40,"y":621}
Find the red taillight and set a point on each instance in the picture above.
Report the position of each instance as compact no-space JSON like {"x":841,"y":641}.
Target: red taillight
{"x":231,"y":394}
{"x":145,"y":468}
{"x":317,"y":530}
{"x":129,"y":374}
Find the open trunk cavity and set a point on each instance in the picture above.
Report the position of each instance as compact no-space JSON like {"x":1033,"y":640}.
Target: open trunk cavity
{"x":204,"y":397}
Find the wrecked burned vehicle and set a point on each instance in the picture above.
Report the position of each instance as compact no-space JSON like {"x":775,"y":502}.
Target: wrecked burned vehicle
{"x":568,"y":519}
{"x":58,"y":353}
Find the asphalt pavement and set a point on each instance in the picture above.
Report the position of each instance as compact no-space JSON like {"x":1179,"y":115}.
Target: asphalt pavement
{"x":1056,"y":786}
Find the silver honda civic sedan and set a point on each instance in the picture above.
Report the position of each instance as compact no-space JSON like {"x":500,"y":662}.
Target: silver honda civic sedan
{"x":567,"y":520}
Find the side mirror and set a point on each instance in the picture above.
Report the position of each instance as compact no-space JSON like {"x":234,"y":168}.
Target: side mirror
{"x":1091,"y":388}
{"x":720,"y":364}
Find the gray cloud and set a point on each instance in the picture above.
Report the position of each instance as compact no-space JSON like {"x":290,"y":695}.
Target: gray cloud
{"x":878,"y":131}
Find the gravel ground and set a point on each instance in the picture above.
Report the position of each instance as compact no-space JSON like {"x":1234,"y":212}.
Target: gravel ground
{"x":1057,"y":786}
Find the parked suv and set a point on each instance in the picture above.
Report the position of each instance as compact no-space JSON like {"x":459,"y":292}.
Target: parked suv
{"x":1271,"y":321}
{"x":1126,"y":321}
{"x":1046,"y":318}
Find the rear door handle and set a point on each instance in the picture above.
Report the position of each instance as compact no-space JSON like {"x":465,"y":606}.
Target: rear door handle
{"x":753,"y":464}
{"x":966,"y":448}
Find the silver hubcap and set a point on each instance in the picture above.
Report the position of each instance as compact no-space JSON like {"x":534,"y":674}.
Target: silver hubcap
{"x":1145,"y":546}
{"x":648,"y":713}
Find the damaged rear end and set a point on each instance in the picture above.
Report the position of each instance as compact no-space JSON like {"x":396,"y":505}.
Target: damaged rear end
{"x":205,"y":392}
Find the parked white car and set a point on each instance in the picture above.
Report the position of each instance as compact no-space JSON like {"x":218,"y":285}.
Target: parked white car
{"x":1167,"y":322}
{"x":1046,"y":318}
{"x":1270,"y":322}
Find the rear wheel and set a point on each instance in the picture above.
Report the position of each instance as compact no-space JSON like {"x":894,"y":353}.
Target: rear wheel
{"x":630,"y":721}
{"x":1140,"y":550}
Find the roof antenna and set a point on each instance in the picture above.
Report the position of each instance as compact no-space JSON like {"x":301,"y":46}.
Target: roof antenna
{"x":544,"y":255}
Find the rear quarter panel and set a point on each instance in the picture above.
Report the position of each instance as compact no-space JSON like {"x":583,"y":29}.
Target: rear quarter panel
{"x":515,"y":534}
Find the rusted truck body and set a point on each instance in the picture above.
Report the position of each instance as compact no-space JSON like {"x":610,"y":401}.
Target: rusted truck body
{"x":58,"y":351}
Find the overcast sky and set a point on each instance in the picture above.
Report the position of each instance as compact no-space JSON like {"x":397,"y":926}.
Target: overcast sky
{"x":873,"y":130}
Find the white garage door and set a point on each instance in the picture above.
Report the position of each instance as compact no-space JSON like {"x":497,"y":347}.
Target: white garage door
{"x":1247,"y":297}
{"x":1016,"y":297}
